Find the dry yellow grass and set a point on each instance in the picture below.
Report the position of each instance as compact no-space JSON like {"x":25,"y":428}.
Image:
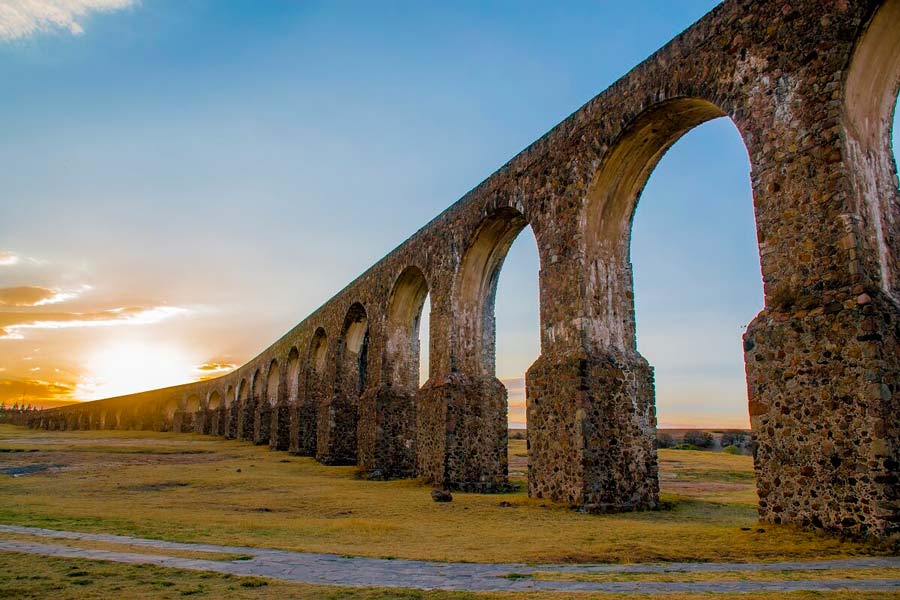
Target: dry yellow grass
{"x":204,"y":489}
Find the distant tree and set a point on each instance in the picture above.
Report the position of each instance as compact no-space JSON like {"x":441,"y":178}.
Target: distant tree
{"x":740,"y":439}
{"x":699,"y":438}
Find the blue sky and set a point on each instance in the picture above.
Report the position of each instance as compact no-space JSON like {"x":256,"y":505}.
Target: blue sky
{"x":230,"y":165}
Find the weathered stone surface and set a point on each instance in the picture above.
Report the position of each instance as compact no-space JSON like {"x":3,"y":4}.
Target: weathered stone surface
{"x":810,"y":86}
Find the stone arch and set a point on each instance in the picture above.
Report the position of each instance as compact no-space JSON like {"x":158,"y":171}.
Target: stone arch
{"x":170,"y":407}
{"x":353,"y":348}
{"x":472,"y":454}
{"x":475,"y":290}
{"x":870,"y":99}
{"x":275,"y":415}
{"x":292,"y":373}
{"x":192,"y":404}
{"x":261,"y":414}
{"x":214,"y":413}
{"x":245,"y":411}
{"x":618,"y":387}
{"x":191,"y":415}
{"x":337,"y":443}
{"x":318,"y":351}
{"x":403,"y":320}
{"x":273,"y":380}
{"x":231,"y":409}
{"x":387,"y":414}
{"x":609,"y":211}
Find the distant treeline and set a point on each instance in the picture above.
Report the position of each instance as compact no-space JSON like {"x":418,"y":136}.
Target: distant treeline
{"x":733,"y":441}
{"x":17,"y":414}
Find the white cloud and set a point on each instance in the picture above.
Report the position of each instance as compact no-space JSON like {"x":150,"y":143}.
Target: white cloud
{"x":13,"y":323}
{"x":7,"y":258}
{"x":24,"y":18}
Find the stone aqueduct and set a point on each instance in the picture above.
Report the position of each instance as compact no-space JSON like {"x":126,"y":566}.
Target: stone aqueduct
{"x":811,"y":86}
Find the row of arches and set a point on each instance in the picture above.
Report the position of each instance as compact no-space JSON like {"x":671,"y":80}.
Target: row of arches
{"x":825,"y":200}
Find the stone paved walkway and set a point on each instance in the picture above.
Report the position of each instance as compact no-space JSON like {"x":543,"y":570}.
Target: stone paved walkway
{"x":329,"y":569}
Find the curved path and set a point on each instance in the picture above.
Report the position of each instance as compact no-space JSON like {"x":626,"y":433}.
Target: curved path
{"x":327,"y":569}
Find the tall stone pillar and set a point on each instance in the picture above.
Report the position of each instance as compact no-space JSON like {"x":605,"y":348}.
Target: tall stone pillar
{"x":247,"y":419}
{"x":387,"y":432}
{"x":280,"y":438}
{"x":462,"y":433}
{"x":590,"y":399}
{"x":262,"y":421}
{"x":304,"y":416}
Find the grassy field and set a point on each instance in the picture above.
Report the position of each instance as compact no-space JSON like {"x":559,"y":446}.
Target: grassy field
{"x":204,"y":489}
{"x":24,"y":578}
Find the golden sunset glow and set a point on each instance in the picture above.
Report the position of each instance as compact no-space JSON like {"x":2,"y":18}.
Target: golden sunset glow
{"x":132,"y":366}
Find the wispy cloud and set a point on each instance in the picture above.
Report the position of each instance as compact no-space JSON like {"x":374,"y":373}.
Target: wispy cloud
{"x":24,"y":18}
{"x":7,"y":258}
{"x":34,"y":391}
{"x":12,"y":324}
{"x":212,"y":369}
{"x":32,"y":295}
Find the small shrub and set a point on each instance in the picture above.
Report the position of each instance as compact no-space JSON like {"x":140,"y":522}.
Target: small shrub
{"x":685,"y":447}
{"x":731,"y":449}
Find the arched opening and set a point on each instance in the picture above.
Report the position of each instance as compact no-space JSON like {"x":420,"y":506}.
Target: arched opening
{"x":387,"y":415}
{"x":674,"y":271}
{"x":517,"y":309}
{"x":486,"y":426}
{"x":354,"y":349}
{"x":272,"y":384}
{"x":873,"y":82}
{"x":245,"y":411}
{"x":293,"y":376}
{"x":351,"y":378}
{"x":403,"y":329}
{"x":192,"y":405}
{"x":425,"y":341}
{"x":170,"y":407}
{"x":261,"y":416}
{"x":214,"y":414}
{"x":191,"y":418}
{"x":274,"y":415}
{"x":230,"y":414}
{"x":476,"y":291}
{"x":318,"y":351}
